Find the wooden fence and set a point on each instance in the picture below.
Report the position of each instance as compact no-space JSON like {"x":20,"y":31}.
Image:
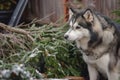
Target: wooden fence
{"x":105,"y":6}
{"x":46,"y":10}
{"x":53,"y":10}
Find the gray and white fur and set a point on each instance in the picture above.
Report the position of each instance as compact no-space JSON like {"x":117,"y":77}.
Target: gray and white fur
{"x":98,"y":39}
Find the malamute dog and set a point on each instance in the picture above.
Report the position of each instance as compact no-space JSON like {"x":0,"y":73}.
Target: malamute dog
{"x":98,"y":39}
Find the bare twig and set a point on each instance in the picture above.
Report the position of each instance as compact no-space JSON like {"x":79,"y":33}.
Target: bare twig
{"x":17,"y":30}
{"x":37,"y":20}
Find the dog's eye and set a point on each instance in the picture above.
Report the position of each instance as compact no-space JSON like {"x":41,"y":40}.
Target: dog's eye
{"x":77,"y":27}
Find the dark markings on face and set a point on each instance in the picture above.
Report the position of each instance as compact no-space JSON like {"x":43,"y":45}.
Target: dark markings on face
{"x":86,"y":25}
{"x":75,"y":17}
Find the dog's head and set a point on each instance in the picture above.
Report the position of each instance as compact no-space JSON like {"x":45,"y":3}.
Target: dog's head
{"x":83,"y":24}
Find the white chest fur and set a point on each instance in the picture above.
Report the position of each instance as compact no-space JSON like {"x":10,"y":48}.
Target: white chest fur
{"x":100,"y":64}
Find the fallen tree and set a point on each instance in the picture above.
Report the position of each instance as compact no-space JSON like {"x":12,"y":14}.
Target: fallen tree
{"x":42,"y":49}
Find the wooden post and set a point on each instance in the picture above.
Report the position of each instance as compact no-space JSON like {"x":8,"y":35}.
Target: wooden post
{"x":65,"y":10}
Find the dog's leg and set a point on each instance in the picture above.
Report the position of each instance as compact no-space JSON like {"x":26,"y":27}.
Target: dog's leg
{"x":113,"y":76}
{"x":93,"y":74}
{"x":114,"y":68}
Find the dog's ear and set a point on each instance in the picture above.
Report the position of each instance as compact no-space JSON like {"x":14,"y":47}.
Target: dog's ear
{"x":72,"y":8}
{"x":72,"y":11}
{"x":88,"y":15}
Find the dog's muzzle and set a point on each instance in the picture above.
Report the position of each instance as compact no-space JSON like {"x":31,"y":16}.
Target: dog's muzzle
{"x":66,"y":36}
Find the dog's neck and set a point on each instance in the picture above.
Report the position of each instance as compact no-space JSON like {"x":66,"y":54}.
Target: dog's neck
{"x":83,"y":43}
{"x":94,"y":51}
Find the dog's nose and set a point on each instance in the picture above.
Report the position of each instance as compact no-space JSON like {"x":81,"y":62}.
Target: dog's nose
{"x":66,"y":36}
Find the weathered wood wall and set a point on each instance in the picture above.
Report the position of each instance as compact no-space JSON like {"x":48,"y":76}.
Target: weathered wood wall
{"x":47,"y":10}
{"x":53,"y":10}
